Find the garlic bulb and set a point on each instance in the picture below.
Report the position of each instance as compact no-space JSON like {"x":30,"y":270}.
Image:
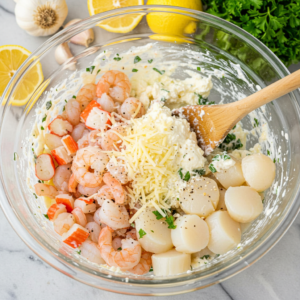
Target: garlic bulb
{"x":41,"y":18}
{"x":84,"y":38}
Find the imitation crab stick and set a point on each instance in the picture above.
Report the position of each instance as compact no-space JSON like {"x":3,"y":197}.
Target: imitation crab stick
{"x":66,"y":200}
{"x":44,"y":167}
{"x":75,"y":236}
{"x":60,"y":127}
{"x":94,"y":117}
{"x":55,"y":210}
{"x":61,"y":155}
{"x":72,"y":184}
{"x":70,"y":145}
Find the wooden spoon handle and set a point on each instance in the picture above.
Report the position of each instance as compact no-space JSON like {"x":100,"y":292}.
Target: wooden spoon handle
{"x":268,"y":94}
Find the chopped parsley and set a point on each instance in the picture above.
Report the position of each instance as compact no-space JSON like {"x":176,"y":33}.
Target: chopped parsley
{"x":161,"y":72}
{"x":117,"y":58}
{"x":79,"y":252}
{"x":163,"y":99}
{"x":150,"y":61}
{"x":198,"y":69}
{"x":212,"y":168}
{"x":203,"y":101}
{"x":64,"y":108}
{"x":134,"y":70}
{"x":205,"y":256}
{"x":218,"y":157}
{"x":34,"y":194}
{"x":91,"y":69}
{"x":200,"y":172}
{"x":42,"y":128}
{"x":119,"y":249}
{"x":165,"y":90}
{"x":268,"y":152}
{"x":151,"y":269}
{"x":98,"y":71}
{"x":158,"y":215}
{"x":235,"y":144}
{"x":132,"y":225}
{"x":152,"y":231}
{"x":48,"y":105}
{"x":137,"y":59}
{"x":256,"y":123}
{"x":274,"y":161}
{"x":142,"y":233}
{"x":217,"y":255}
{"x":46,"y":216}
{"x":15,"y":155}
{"x":40,"y":181}
{"x":185,"y":177}
{"x":74,"y":97}
{"x":170,"y":221}
{"x":44,"y":119}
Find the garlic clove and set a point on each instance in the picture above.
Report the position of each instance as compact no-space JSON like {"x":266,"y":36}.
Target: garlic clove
{"x":63,"y":54}
{"x":84,"y":38}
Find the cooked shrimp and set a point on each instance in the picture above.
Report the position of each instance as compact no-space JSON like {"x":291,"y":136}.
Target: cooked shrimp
{"x":84,"y":141}
{"x":94,"y":230}
{"x":144,"y":265}
{"x":132,"y":108}
{"x":91,"y":251}
{"x":89,"y":218}
{"x":94,"y":138}
{"x":96,"y":216}
{"x":116,"y":84}
{"x":131,"y":234}
{"x":113,"y":215}
{"x":63,"y":223}
{"x":86,"y":94}
{"x":61,"y":177}
{"x":45,"y":190}
{"x":89,"y":165}
{"x":72,"y":186}
{"x":120,"y":195}
{"x":78,"y":131}
{"x":116,"y":243}
{"x":107,"y":103}
{"x":112,"y":141}
{"x":125,"y":259}
{"x":103,"y":194}
{"x":118,"y":171}
{"x":87,"y":191}
{"x":72,"y":112}
{"x":79,"y":216}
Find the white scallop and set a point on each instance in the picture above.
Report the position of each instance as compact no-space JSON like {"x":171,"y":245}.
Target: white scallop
{"x":190,"y":235}
{"x":243,"y":203}
{"x":200,"y":196}
{"x":232,"y":176}
{"x":158,"y":236}
{"x":171,"y":263}
{"x":259,"y":171}
{"x":221,"y":204}
{"x":225,"y":233}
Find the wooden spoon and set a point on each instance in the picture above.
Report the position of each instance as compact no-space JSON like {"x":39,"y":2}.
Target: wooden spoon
{"x":212,"y":123}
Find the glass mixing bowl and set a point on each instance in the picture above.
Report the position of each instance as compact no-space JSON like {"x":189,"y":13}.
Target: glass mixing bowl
{"x":221,"y":47}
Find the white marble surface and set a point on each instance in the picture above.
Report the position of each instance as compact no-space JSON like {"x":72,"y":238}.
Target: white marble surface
{"x":24,"y":276}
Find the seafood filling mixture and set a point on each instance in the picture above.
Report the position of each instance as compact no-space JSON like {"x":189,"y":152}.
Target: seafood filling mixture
{"x":131,"y":189}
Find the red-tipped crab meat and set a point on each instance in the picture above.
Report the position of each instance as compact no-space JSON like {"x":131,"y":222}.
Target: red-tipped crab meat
{"x":61,"y":155}
{"x":70,"y":145}
{"x":66,"y":200}
{"x":87,"y":205}
{"x":75,"y":236}
{"x":44,"y":167}
{"x":87,"y":110}
{"x":97,"y":119}
{"x":55,"y":210}
{"x":60,"y":127}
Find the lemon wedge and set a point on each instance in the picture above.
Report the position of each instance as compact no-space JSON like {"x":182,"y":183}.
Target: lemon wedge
{"x":120,"y":24}
{"x":173,"y":24}
{"x":11,"y":58}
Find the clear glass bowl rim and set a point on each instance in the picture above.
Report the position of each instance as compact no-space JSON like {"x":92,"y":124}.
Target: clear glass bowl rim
{"x":72,"y":271}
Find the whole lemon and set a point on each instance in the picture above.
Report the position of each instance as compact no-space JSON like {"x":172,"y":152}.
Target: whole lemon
{"x":173,"y":24}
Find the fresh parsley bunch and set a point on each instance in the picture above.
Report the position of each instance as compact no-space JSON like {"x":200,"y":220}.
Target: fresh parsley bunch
{"x":274,"y":22}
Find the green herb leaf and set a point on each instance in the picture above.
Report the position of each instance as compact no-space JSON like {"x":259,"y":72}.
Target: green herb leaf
{"x":170,"y":221}
{"x":34,"y":194}
{"x":150,"y":61}
{"x":268,"y":152}
{"x":151,"y":269}
{"x":201,"y":172}
{"x":87,"y":70}
{"x":165,"y":90}
{"x":48,"y":105}
{"x":142,"y":233}
{"x":44,"y":119}
{"x":119,"y":249}
{"x":205,"y":256}
{"x":198,"y":69}
{"x":74,"y":97}
{"x":46,"y":216}
{"x":158,"y":71}
{"x":117,"y":58}
{"x":78,"y":252}
{"x":137,"y":59}
{"x":15,"y":155}
{"x":42,"y":128}
{"x":132,"y":225}
{"x":158,"y":215}
{"x":152,"y":231}
{"x":134,"y":70}
{"x":187,"y":176}
{"x":98,"y":71}
{"x":163,"y":99}
{"x":256,"y":123}
{"x":212,"y":168}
